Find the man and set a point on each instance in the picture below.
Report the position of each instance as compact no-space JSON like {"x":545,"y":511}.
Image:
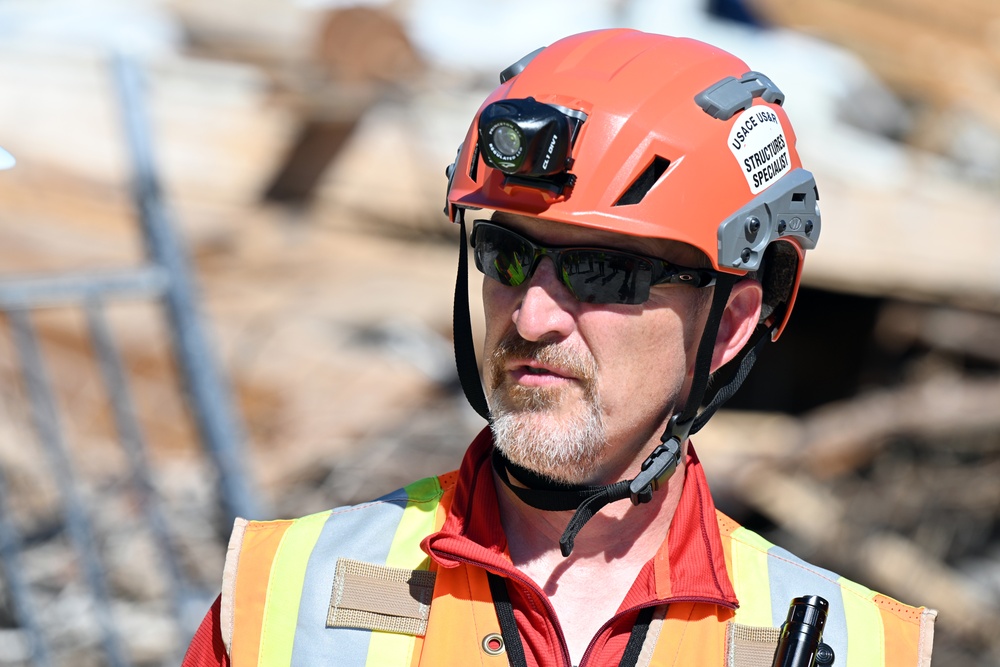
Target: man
{"x":649,"y":219}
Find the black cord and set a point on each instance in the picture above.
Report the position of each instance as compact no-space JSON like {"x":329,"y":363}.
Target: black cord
{"x":508,"y":625}
{"x":512,"y":638}
{"x":638,"y":637}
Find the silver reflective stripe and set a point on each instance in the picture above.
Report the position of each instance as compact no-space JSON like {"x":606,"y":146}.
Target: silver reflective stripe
{"x":363,"y":532}
{"x":926,"y":637}
{"x":791,"y":577}
{"x":226,"y":616}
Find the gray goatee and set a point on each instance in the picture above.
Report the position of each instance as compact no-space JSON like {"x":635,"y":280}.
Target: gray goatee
{"x":527,"y":425}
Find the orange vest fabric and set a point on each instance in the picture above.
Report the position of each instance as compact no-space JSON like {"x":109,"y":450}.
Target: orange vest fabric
{"x":352,"y":587}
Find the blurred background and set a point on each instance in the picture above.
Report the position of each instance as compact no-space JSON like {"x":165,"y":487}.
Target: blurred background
{"x":226,"y":281}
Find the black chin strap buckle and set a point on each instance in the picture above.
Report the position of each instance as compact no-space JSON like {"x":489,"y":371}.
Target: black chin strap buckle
{"x":662,"y":463}
{"x":656,"y":470}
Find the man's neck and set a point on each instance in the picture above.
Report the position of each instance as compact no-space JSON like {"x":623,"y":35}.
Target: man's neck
{"x":611,"y":549}
{"x":620,"y":530}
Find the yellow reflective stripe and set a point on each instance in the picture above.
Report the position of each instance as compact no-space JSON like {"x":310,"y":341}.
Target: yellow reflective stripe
{"x":865,"y":647}
{"x":288,"y":572}
{"x":418,"y":520}
{"x":389,"y":648}
{"x":750,"y":577}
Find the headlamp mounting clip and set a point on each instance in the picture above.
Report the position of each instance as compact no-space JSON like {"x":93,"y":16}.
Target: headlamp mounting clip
{"x":530,"y":142}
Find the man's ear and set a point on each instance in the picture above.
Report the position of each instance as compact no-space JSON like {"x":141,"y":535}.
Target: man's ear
{"x":738,"y":321}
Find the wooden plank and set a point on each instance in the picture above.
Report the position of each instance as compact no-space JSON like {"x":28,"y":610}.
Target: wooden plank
{"x":920,"y":236}
{"x":217,"y":132}
{"x":934,"y":52}
{"x":967,"y":19}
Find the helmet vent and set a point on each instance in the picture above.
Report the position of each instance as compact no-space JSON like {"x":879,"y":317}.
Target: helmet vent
{"x":474,"y":164}
{"x":644,"y":182}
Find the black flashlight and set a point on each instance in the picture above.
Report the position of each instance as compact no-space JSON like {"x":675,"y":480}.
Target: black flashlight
{"x":801,"y":642}
{"x":527,"y":139}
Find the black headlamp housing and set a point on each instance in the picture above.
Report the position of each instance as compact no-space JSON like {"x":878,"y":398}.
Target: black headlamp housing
{"x":530,"y":142}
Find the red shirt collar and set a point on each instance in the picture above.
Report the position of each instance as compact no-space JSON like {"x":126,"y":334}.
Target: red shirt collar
{"x":689,"y":565}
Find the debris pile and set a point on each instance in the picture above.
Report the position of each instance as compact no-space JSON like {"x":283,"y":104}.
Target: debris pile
{"x":308,"y":187}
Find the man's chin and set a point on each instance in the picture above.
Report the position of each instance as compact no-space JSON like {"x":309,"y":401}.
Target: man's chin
{"x":547,"y":416}
{"x":576,"y":473}
{"x":564,"y":448}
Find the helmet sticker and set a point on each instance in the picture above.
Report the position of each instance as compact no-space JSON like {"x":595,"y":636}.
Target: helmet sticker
{"x":759,"y":146}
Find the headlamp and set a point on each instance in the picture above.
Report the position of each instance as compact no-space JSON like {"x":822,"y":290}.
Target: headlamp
{"x":529,"y":141}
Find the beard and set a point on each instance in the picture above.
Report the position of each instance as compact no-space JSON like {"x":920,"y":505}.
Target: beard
{"x":536,"y":427}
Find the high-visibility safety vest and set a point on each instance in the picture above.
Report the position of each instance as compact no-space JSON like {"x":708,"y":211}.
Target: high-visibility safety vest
{"x":352,"y":587}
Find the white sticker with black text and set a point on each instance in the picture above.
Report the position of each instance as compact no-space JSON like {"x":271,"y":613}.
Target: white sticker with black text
{"x":758,"y":143}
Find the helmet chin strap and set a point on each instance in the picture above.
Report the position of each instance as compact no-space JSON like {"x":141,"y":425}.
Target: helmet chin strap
{"x":465,"y":350}
{"x":545,"y":494}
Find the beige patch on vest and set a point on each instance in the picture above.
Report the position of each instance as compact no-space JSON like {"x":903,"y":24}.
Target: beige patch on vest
{"x":376,"y":597}
{"x":751,"y":646}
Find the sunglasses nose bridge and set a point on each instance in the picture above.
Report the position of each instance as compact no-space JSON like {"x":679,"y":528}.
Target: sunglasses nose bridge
{"x":555,"y":256}
{"x":538,"y":253}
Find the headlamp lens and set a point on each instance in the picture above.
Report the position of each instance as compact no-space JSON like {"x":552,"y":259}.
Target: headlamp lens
{"x":507,"y":140}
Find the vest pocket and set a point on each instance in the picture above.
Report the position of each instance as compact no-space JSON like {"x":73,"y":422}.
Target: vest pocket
{"x":376,"y":597}
{"x":750,"y":645}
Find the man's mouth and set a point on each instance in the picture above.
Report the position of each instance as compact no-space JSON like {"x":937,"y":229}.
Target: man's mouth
{"x":531,"y":365}
{"x":535,"y":374}
{"x":539,"y":366}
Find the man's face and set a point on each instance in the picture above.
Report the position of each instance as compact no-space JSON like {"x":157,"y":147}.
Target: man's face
{"x":580,"y":392}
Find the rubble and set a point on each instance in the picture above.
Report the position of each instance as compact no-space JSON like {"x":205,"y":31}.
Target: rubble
{"x":331,"y":316}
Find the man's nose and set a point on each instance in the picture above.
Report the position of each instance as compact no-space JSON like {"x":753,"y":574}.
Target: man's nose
{"x":547,"y":307}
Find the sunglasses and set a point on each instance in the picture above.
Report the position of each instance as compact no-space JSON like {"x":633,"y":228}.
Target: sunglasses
{"x":593,"y":275}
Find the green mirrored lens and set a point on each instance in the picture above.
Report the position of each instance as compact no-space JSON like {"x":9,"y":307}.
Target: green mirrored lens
{"x":502,"y":256}
{"x":593,"y":275}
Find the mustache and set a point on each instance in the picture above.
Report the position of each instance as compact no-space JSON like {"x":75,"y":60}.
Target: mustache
{"x":581,"y":365}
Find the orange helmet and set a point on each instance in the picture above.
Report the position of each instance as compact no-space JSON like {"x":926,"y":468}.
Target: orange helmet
{"x":648,"y":136}
{"x":660,"y":137}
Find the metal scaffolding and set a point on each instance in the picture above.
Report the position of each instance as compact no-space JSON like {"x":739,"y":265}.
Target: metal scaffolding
{"x":166,"y":280}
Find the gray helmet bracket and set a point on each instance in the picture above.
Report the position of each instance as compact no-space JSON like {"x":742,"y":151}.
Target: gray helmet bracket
{"x":724,"y":99}
{"x":786,"y":210}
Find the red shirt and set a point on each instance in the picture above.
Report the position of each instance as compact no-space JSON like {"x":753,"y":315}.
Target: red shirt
{"x":689,"y":566}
